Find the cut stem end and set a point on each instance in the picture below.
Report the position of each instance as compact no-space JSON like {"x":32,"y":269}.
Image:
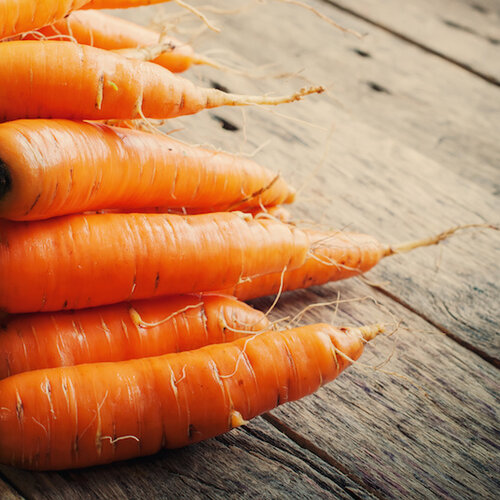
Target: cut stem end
{"x":5,"y":179}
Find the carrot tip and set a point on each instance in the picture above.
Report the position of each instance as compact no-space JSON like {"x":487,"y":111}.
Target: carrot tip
{"x":369,"y":332}
{"x":433,"y":240}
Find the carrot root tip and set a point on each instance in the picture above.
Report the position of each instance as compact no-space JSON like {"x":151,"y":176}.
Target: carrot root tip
{"x":369,"y":332}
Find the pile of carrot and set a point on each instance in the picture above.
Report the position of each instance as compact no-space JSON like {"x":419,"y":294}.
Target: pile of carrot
{"x":124,"y":254}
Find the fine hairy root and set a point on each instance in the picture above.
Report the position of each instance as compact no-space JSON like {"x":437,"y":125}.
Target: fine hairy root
{"x":236,"y":100}
{"x":433,"y":240}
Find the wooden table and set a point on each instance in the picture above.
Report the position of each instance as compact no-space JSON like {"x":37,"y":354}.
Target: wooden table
{"x":405,"y":144}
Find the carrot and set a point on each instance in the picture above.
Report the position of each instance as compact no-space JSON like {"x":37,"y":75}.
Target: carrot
{"x":123,"y":331}
{"x":89,"y":167}
{"x":333,"y":256}
{"x":17,"y":16}
{"x":100,"y":30}
{"x":80,"y":261}
{"x":98,"y":413}
{"x":107,"y":85}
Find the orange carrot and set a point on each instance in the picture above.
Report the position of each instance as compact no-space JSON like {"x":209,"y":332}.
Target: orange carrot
{"x":123,"y":331}
{"x":80,"y":261}
{"x":333,"y":256}
{"x":98,"y":413}
{"x":17,"y":16}
{"x":100,"y":30}
{"x":97,"y":84}
{"x":89,"y":167}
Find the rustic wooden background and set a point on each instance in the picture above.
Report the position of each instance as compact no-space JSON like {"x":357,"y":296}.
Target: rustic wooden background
{"x":405,"y":144}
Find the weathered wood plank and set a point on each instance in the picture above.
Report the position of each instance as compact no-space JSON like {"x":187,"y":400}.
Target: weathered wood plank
{"x":423,"y":426}
{"x":419,"y":100}
{"x":466,"y":32}
{"x":386,"y":173}
{"x":253,"y":462}
{"x":8,"y":493}
{"x":379,"y":179}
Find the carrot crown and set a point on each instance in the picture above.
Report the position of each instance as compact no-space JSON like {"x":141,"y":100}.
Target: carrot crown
{"x":5,"y":179}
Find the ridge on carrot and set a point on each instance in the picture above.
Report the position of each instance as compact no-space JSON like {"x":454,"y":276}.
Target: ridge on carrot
{"x":95,"y":414}
{"x":108,"y":86}
{"x":123,"y":331}
{"x":333,"y":256}
{"x":102,"y":167}
{"x":80,"y":261}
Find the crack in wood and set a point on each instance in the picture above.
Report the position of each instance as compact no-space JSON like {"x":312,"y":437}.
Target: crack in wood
{"x":488,"y":78}
{"x":308,"y":445}
{"x":482,"y":354}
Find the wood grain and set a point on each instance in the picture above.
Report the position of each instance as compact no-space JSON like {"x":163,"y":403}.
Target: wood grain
{"x":423,"y":426}
{"x":414,"y":150}
{"x":8,"y":493}
{"x":378,"y":176}
{"x":465,"y":33}
{"x":252,"y":462}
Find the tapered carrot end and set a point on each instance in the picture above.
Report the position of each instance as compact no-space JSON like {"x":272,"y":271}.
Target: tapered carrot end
{"x":217,"y":98}
{"x":369,"y":332}
{"x":433,"y":240}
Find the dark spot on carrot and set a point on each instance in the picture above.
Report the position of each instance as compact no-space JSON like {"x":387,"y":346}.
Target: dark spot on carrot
{"x":191,"y":431}
{"x":183,"y":102}
{"x":278,"y":399}
{"x":65,"y":305}
{"x":361,"y":53}
{"x":157,"y":280}
{"x":5,"y":179}
{"x":377,"y":87}
{"x":5,"y":242}
{"x":240,"y":382}
{"x":218,"y":86}
{"x":226,"y":125}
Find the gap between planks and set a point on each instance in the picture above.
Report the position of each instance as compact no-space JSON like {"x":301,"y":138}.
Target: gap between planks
{"x":488,"y":78}
{"x":482,"y":354}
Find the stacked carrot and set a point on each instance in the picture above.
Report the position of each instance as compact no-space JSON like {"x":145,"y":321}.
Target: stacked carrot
{"x":116,"y":344}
